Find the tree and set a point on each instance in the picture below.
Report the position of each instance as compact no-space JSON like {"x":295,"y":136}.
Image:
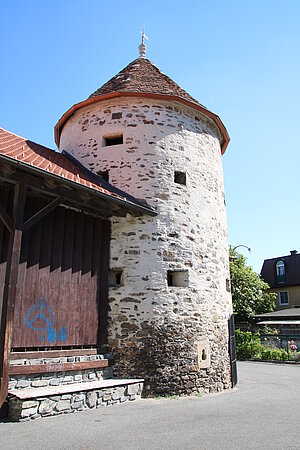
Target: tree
{"x":250,"y":294}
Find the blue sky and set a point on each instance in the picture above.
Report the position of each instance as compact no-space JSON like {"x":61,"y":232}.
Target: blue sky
{"x":239,"y":59}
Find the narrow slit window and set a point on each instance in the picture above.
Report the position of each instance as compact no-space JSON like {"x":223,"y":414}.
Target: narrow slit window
{"x":115,"y":277}
{"x":177,"y":278}
{"x":104,"y":174}
{"x":116,"y":115}
{"x":180,"y":177}
{"x":113,"y":140}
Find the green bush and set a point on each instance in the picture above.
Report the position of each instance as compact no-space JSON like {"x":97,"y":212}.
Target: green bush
{"x":248,"y":346}
{"x":296,"y":356}
{"x":270,"y":354}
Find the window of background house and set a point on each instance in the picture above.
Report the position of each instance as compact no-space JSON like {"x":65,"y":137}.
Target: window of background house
{"x":283,"y":298}
{"x":280,"y":272}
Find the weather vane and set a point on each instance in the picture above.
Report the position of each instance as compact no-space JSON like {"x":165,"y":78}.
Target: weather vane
{"x":142,"y":47}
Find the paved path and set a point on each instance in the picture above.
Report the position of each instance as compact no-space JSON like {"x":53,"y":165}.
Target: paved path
{"x":263,"y":412}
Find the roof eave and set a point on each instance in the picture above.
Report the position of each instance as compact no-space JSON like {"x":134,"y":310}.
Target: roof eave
{"x":123,"y":202}
{"x":58,"y":127}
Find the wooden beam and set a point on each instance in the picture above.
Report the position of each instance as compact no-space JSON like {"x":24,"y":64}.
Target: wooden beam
{"x":40,"y":214}
{"x":27,"y":369}
{"x":6,"y":219}
{"x":10,"y":287}
{"x":103,"y":272}
{"x":70,"y":196}
{"x":53,"y":353}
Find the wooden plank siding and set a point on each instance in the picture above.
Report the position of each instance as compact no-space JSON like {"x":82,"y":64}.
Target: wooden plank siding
{"x":52,"y":353}
{"x":61,"y":265}
{"x":10,"y":284}
{"x":57,"y":367}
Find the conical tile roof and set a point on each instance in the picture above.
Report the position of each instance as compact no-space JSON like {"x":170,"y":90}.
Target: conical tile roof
{"x":141,"y":75}
{"x":142,"y":78}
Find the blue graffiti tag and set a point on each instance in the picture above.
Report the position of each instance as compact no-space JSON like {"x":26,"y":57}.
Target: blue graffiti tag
{"x":40,"y":317}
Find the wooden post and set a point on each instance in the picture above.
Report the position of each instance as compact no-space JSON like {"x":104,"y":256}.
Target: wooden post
{"x":103,"y":273}
{"x":9,"y":295}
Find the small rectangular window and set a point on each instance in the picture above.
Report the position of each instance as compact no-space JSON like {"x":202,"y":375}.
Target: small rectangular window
{"x":284,"y":298}
{"x":115,"y":278}
{"x":177,"y":278}
{"x":104,"y":174}
{"x":116,"y":115}
{"x":228,"y":285}
{"x":180,"y":177}
{"x":113,"y":140}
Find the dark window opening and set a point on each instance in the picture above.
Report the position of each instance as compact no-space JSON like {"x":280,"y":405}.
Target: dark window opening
{"x":113,"y":140}
{"x":180,"y":177}
{"x":115,"y":278}
{"x":170,"y":279}
{"x":116,"y":115}
{"x":104,"y":174}
{"x":283,"y":298}
{"x":280,"y":272}
{"x":177,"y":278}
{"x":228,"y":285}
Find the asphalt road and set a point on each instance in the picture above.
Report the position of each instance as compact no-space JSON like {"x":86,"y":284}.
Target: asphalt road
{"x":263,"y":412}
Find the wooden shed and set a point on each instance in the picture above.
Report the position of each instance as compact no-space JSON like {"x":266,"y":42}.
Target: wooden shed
{"x":54,"y":251}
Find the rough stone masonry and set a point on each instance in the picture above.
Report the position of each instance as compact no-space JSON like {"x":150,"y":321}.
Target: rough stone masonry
{"x":170,"y":300}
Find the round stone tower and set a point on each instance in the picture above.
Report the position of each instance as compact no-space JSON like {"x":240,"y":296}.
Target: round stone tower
{"x":169,"y":300}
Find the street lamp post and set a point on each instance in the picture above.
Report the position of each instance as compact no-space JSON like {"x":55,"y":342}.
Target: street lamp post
{"x":241,"y":245}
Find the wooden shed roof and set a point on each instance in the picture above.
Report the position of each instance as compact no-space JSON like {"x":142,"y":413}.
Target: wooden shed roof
{"x":63,"y":166}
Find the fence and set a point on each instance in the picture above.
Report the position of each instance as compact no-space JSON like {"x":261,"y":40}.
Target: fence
{"x":279,"y":340}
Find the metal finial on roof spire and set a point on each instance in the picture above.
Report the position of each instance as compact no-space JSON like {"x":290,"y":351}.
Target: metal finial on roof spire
{"x":142,"y":47}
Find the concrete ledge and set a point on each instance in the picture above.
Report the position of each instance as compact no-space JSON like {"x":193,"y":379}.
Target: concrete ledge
{"x":33,"y":403}
{"x":23,"y":394}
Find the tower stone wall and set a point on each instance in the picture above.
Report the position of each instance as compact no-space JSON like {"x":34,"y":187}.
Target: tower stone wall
{"x":168,"y":317}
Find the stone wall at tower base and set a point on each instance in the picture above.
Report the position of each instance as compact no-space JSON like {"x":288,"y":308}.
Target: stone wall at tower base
{"x":168,"y":361}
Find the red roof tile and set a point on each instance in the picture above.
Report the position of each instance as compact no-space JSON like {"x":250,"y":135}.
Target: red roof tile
{"x":141,"y":75}
{"x":49,"y":161}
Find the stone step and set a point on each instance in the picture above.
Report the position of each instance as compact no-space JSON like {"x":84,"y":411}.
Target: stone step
{"x":27,"y":404}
